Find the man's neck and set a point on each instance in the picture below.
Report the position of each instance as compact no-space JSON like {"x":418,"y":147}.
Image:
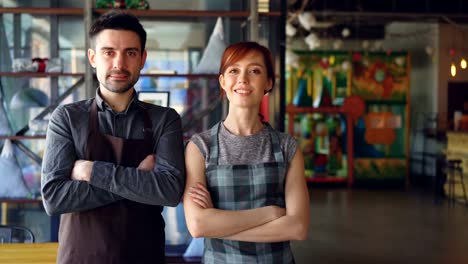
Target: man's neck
{"x":117,"y":101}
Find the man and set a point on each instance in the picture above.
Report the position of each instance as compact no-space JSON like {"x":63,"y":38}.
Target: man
{"x":112,"y":162}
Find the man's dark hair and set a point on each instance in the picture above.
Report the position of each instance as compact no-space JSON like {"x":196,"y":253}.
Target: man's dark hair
{"x":118,"y":20}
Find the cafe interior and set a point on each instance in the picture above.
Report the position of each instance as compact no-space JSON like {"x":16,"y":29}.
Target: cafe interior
{"x":374,"y":92}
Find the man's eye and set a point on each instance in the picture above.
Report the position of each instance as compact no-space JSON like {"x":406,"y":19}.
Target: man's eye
{"x":132,"y":53}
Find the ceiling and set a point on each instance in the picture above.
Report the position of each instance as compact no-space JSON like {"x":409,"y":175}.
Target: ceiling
{"x":368,"y":18}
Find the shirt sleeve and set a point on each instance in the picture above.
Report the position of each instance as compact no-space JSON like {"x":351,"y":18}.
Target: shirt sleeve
{"x":163,"y":185}
{"x":60,"y":193}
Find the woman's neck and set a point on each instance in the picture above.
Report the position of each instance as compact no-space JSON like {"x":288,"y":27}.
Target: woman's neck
{"x":243,"y":123}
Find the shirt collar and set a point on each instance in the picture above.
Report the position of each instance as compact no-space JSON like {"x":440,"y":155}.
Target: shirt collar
{"x":102,"y":105}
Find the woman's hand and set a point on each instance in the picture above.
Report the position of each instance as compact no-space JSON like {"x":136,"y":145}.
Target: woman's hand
{"x":200,"y":195}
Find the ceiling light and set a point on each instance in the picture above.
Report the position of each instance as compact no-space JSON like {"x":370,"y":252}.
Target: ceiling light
{"x":463,"y":63}
{"x":429,"y":50}
{"x":307,"y":20}
{"x":312,"y":41}
{"x":290,"y":30}
{"x":453,"y":70}
{"x":345,"y":32}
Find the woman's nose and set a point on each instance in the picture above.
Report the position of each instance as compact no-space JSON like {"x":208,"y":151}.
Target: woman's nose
{"x":242,"y":77}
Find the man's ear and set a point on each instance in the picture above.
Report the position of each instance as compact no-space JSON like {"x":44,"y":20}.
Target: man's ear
{"x":91,"y":57}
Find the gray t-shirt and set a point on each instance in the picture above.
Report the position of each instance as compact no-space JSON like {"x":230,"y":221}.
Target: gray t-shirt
{"x":252,"y":149}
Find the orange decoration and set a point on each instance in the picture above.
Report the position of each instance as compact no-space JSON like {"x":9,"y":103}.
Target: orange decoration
{"x":377,"y":129}
{"x":354,"y":106}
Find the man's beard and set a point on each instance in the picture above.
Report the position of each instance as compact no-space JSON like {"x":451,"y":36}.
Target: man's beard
{"x":120,"y":86}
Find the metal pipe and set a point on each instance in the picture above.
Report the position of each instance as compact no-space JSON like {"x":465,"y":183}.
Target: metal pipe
{"x":253,"y":19}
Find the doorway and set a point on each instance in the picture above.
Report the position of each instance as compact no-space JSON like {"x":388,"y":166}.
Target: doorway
{"x":457,"y":98}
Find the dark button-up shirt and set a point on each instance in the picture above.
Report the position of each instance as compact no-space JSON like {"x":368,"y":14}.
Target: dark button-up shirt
{"x":66,"y":142}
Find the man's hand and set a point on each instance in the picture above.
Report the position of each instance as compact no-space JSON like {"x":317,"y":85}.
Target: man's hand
{"x":82,"y":170}
{"x":148,"y":163}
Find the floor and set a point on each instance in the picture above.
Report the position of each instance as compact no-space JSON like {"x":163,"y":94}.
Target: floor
{"x":383,"y":226}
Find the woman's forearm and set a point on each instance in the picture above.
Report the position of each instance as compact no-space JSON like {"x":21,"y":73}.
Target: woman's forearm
{"x":282,"y":229}
{"x":216,"y":223}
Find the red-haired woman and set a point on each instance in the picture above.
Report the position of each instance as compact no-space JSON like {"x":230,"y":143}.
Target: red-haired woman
{"x":245,"y":190}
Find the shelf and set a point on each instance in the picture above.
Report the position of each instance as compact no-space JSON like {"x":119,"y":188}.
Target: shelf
{"x":189,"y":13}
{"x":22,"y":137}
{"x":379,"y":158}
{"x":327,"y":179}
{"x":56,"y":74}
{"x":385,"y":102}
{"x":39,"y":74}
{"x":137,"y":12}
{"x":302,"y":109}
{"x":41,"y":11}
{"x":20,"y":200}
{"x":187,"y":75}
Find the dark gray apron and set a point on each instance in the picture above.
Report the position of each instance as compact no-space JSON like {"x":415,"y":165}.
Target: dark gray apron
{"x":121,"y":232}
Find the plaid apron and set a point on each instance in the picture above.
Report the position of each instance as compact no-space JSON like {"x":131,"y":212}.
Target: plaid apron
{"x":239,"y":187}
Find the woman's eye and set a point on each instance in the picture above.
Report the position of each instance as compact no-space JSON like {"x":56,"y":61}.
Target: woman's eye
{"x":233,"y":71}
{"x":255,"y":71}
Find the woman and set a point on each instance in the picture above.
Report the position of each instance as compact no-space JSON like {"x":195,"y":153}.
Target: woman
{"x":245,"y":190}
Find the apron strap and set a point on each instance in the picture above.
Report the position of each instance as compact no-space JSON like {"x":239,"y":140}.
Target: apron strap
{"x":279,"y":157}
{"x":93,"y":118}
{"x":214,"y":148}
{"x":148,"y":126}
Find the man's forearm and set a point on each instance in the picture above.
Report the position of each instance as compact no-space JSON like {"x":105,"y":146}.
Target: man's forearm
{"x":161,"y":186}
{"x":65,"y":196}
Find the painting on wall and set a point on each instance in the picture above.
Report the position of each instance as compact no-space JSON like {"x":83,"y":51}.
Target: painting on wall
{"x":155,"y":97}
{"x":319,"y":79}
{"x":380,"y":75}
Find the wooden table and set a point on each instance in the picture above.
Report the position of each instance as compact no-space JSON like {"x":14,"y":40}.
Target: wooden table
{"x":46,"y":253}
{"x":43,"y":253}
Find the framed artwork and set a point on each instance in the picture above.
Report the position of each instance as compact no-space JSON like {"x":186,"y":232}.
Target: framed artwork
{"x":153,"y":97}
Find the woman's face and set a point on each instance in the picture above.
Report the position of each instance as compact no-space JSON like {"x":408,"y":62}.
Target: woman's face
{"x":245,"y":82}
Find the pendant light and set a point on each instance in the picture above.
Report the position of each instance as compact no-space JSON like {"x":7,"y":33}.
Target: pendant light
{"x":463,"y":63}
{"x":453,"y":70}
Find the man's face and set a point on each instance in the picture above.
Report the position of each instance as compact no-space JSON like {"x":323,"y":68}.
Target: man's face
{"x":118,"y":59}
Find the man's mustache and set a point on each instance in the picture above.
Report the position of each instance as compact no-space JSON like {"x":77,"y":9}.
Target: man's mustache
{"x":118,"y":72}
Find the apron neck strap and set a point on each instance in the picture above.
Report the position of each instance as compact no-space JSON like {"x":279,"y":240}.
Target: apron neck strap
{"x":214,"y":149}
{"x":274,"y":136}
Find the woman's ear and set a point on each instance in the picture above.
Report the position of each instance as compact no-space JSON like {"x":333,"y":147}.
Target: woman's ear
{"x":221,"y":85}
{"x":270,"y":85}
{"x":221,"y":80}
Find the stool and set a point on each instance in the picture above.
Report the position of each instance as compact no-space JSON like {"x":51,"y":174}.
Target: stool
{"x":454,"y":169}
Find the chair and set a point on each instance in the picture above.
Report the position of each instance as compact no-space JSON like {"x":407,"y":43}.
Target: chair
{"x":15,"y":234}
{"x":454,"y":169}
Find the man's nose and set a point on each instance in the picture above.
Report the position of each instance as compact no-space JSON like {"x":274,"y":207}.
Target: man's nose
{"x":119,"y":61}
